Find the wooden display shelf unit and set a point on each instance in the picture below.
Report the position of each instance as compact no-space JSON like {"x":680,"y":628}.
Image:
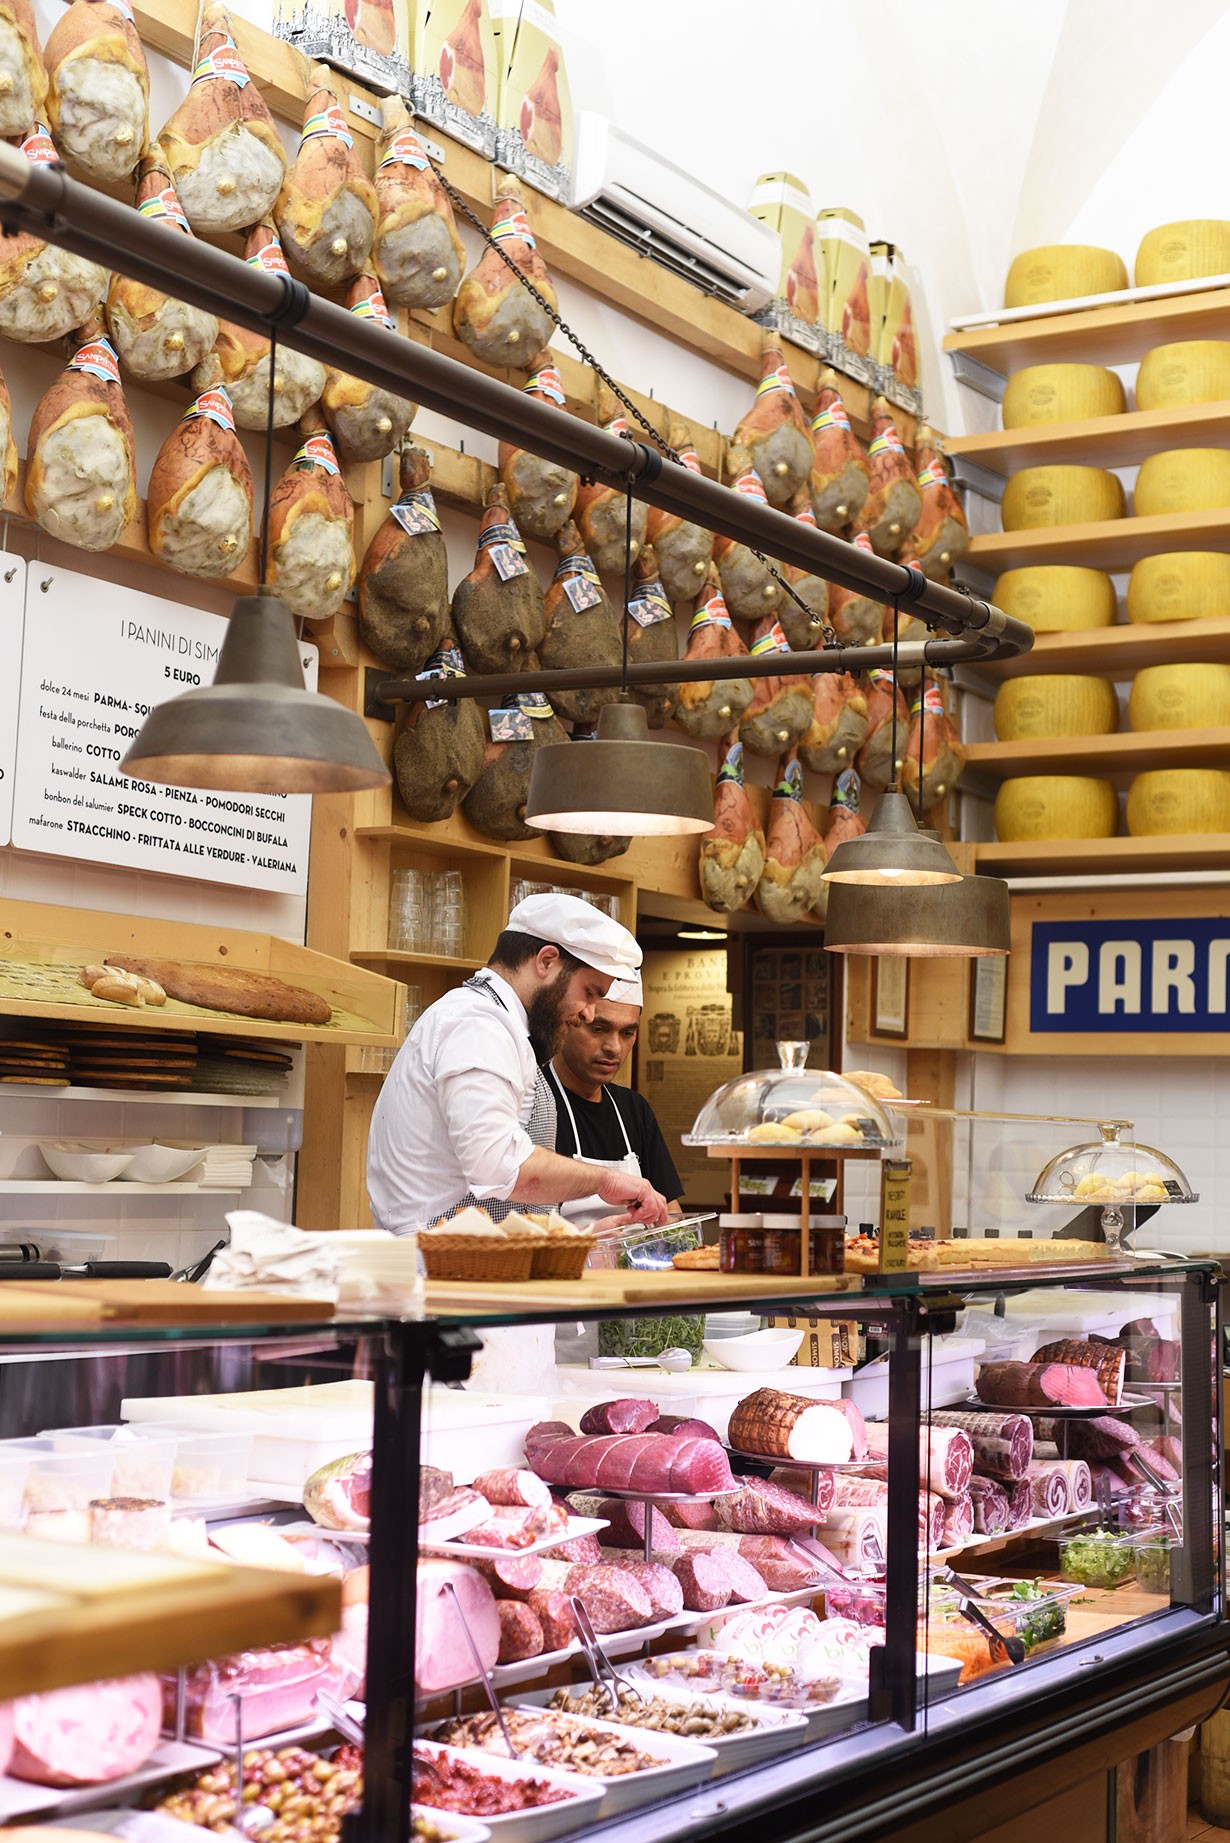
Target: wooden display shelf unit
{"x":1097,"y":441}
{"x":1118,"y":652}
{"x":1125,"y":753}
{"x":128,"y":1612}
{"x":1096,"y":335}
{"x":828,"y":1161}
{"x":1070,"y":857}
{"x":1107,"y":544}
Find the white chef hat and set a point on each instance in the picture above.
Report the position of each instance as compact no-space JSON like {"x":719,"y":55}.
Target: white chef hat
{"x":627,"y":991}
{"x":582,"y":930}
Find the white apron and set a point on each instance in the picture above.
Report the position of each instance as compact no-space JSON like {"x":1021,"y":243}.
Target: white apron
{"x":575,"y":1342}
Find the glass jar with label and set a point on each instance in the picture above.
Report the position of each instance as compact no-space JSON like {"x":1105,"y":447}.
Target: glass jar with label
{"x":828,"y":1245}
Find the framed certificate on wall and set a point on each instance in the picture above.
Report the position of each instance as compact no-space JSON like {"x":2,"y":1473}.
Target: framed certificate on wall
{"x":988,"y":998}
{"x":890,"y":996}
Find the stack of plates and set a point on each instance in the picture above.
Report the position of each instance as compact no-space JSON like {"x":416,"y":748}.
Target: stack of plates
{"x":34,"y":1059}
{"x":156,"y":1060}
{"x":228,"y":1167}
{"x":382,"y":1275}
{"x":241,"y":1065}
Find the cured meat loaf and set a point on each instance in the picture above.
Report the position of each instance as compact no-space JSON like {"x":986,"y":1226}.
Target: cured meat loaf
{"x":513,"y":1485}
{"x":851,"y":1493}
{"x":660,"y":1583}
{"x":1107,"y":1361}
{"x":990,"y":1502}
{"x":683,"y":1425}
{"x":1003,"y":1444}
{"x":958,"y":1522}
{"x":630,"y":1414}
{"x":521,"y":1633}
{"x":578,"y":1548}
{"x":706,"y":1580}
{"x":225,"y":988}
{"x":612,"y":1596}
{"x":945,"y":1457}
{"x":626,"y":1521}
{"x":784,"y":1426}
{"x":1048,"y":1489}
{"x":442,"y":1657}
{"x":1040,"y":1385}
{"x":640,"y":1461}
{"x":1020,"y":1503}
{"x":511,"y":1576}
{"x":763,"y":1508}
{"x":553,"y":1610}
{"x":783,"y":1565}
{"x":86,"y":1735}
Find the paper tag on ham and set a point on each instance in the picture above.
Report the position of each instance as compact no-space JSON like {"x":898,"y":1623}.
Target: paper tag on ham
{"x":864,"y":542}
{"x":534,"y":704}
{"x":732,"y":765}
{"x":507,"y":561}
{"x":327,"y":121}
{"x":224,"y":62}
{"x":405,"y":149}
{"x":583,"y":591}
{"x":931,"y":701}
{"x":713,"y":613}
{"x":778,"y":379}
{"x":617,"y":426}
{"x":790,"y":787}
{"x":689,"y":458}
{"x":317,"y":450}
{"x":834,"y":417}
{"x":373,"y":306}
{"x":416,"y":512}
{"x":881,"y":676}
{"x":806,"y":516}
{"x":650,"y":607}
{"x":38,"y":146}
{"x":270,"y":257}
{"x":774,"y":641}
{"x":98,"y":358}
{"x":887,"y":442}
{"x":511,"y":221}
{"x":511,"y":725}
{"x":846,"y":790}
{"x":547,"y":383}
{"x":932,"y":475}
{"x":215,"y":405}
{"x":165,"y":208}
{"x":750,"y":483}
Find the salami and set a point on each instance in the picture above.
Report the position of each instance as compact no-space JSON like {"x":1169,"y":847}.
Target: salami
{"x":1041,"y":1385}
{"x":990,"y":1503}
{"x":585,"y":1548}
{"x":945,"y":1457}
{"x":763,"y":1508}
{"x":1107,"y":1361}
{"x":746,"y":1581}
{"x":698,"y":1514}
{"x":513,"y":1486}
{"x":1003,"y":1443}
{"x":553,"y":1611}
{"x":614,"y":1599}
{"x":521,"y":1633}
{"x":511,"y":1577}
{"x":683,"y":1424}
{"x":626,"y":1521}
{"x":782,"y":1565}
{"x":627,"y":1415}
{"x":661,"y":1461}
{"x":661,"y":1584}
{"x":1100,"y":1437}
{"x":705,"y":1577}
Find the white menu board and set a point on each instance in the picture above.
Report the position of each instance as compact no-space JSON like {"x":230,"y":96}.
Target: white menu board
{"x":96,"y":659}
{"x":12,"y":603}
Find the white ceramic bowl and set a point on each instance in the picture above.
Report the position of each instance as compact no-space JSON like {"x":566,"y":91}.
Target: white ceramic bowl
{"x":759,"y":1350}
{"x":80,"y":1165}
{"x":161,"y":1164}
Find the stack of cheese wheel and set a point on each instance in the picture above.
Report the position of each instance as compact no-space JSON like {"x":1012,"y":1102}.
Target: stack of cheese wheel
{"x":1040,"y":497}
{"x":1058,"y":597}
{"x":1062,"y":272}
{"x":1065,"y":704}
{"x":1048,"y":806}
{"x":1186,"y":371}
{"x":1183,"y":585}
{"x":1175,"y":802}
{"x":1060,"y":393}
{"x":1183,"y":252}
{"x":1178,"y":697}
{"x":1183,"y":480}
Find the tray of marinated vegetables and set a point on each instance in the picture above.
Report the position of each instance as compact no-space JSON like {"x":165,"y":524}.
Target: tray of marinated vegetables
{"x":519,"y":1801}
{"x":741,"y":1734}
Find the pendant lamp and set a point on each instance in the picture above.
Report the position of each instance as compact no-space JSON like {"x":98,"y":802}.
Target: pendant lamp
{"x":257,"y":728}
{"x":968,"y":919}
{"x":620,"y":784}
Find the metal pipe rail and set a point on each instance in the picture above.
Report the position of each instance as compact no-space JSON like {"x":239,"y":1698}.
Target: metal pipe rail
{"x":42,"y":201}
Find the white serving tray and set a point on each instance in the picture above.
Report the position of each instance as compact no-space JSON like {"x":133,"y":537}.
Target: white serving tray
{"x":541,"y":1822}
{"x":18,"y":1799}
{"x":577,"y":1526}
{"x":773,"y":1730}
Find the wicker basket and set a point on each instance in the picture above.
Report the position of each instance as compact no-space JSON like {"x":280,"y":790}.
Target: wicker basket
{"x":562,"y":1257}
{"x":476,"y":1257}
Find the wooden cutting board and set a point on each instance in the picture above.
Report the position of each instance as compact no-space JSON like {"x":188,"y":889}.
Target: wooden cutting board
{"x":601,"y":1288}
{"x":27,"y":1305}
{"x":169,"y":1302}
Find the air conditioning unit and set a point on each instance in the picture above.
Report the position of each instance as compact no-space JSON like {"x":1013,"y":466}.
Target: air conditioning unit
{"x":666,"y":214}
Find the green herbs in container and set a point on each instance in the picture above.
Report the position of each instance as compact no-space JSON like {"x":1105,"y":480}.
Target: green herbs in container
{"x":1153,"y":1562}
{"x":651,"y":1251}
{"x":1041,"y":1617}
{"x":1097,"y":1557}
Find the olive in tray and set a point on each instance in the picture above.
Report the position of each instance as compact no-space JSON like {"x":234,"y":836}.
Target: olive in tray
{"x":551,"y":1738}
{"x":306,"y":1795}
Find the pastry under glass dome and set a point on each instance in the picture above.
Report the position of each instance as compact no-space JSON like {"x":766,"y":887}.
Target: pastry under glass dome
{"x":1117,"y":1175}
{"x":795,"y":1109}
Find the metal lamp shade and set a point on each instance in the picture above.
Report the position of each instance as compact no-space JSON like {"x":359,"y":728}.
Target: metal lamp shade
{"x":892,"y":853}
{"x":620,"y":784}
{"x":963,"y":920}
{"x":257,"y":729}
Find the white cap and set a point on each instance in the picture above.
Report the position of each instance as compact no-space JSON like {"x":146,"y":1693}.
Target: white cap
{"x":582,"y":930}
{"x":627,"y":992}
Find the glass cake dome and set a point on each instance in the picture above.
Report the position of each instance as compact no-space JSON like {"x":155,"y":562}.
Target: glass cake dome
{"x":1113,"y":1171}
{"x":796,"y":1109}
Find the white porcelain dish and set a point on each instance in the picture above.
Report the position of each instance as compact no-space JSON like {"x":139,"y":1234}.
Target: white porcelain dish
{"x":770,"y":1349}
{"x":771,"y":1732}
{"x":80,"y":1164}
{"x":161,"y":1164}
{"x":541,"y":1822}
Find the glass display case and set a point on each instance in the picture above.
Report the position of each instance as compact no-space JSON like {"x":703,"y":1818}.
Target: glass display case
{"x":794,"y":1106}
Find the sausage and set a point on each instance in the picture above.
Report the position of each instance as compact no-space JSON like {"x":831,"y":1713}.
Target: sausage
{"x":664,"y":1590}
{"x":511,"y":1577}
{"x":554,"y":1614}
{"x":705,"y":1580}
{"x":513,"y":1486}
{"x":612,"y":1596}
{"x":521,"y":1633}
{"x":585,"y":1548}
{"x":746,"y":1581}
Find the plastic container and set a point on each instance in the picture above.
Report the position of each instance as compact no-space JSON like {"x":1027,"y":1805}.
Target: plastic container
{"x":14,"y":1466}
{"x":1097,"y":1557}
{"x":794,"y":1108}
{"x":142,"y":1457}
{"x":1152,"y":1559}
{"x":948,"y":1362}
{"x":208,"y":1466}
{"x":651,"y":1250}
{"x":59,"y":1481}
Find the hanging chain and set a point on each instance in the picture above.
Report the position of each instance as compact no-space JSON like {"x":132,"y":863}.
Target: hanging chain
{"x":828,"y":633}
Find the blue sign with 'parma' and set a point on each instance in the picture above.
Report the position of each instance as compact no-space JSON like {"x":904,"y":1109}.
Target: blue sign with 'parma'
{"x":1171,"y":975}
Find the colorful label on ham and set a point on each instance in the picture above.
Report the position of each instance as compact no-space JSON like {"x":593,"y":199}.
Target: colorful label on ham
{"x":864,"y":543}
{"x":223,"y":62}
{"x":713,"y":613}
{"x":373,"y":306}
{"x":732,"y":765}
{"x":773,"y":640}
{"x":214,"y":406}
{"x":930,"y":701}
{"x":508,"y":562}
{"x":880,"y":675}
{"x":583,"y":592}
{"x":689,"y":458}
{"x":806,"y":516}
{"x":534,"y":704}
{"x":649,"y":606}
{"x":327,"y":121}
{"x":445,"y":662}
{"x":834,"y":416}
{"x":510,"y":222}
{"x":846,"y":790}
{"x":546,"y":383}
{"x":405,"y":149}
{"x":98,"y":358}
{"x":887,"y":442}
{"x":503,"y":532}
{"x":269,"y":256}
{"x":932,"y":474}
{"x":317,"y":451}
{"x":751,"y":484}
{"x":790,"y":787}
{"x":617,"y":426}
{"x":416,"y":511}
{"x":511,"y":725}
{"x":778,"y":379}
{"x":38,"y":146}
{"x":164,"y":208}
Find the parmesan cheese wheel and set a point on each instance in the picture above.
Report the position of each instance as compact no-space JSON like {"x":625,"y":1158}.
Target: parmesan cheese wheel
{"x":1062,"y":272}
{"x":1063,"y":705}
{"x":1057,"y":597}
{"x":1182,"y":252}
{"x":1171,"y":802}
{"x":1182,"y":697}
{"x":1182,"y":585}
{"x":1060,"y":393}
{"x":1036,"y":806}
{"x":1183,"y":480}
{"x":1186,"y":371}
{"x":1039,"y":497}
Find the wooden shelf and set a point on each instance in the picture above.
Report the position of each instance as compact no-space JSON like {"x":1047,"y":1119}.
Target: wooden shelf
{"x":1118,"y":652}
{"x":1098,"y":441}
{"x":431,"y":841}
{"x":396,"y":956}
{"x":129,"y":1612}
{"x":1125,"y":753}
{"x":128,"y":1193}
{"x":1069,"y":857}
{"x":176,"y":1097}
{"x":1097,"y":335}
{"x":1111,"y":544}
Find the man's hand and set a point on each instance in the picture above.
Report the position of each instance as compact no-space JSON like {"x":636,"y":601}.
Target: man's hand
{"x":636,"y":1196}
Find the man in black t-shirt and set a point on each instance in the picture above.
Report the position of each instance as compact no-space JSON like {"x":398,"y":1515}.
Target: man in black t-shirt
{"x":598,"y":1119}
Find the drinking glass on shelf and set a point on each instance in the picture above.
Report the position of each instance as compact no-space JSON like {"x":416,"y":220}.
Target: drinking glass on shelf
{"x":409,"y":922}
{"x":448,"y":914}
{"x":414,"y":1006}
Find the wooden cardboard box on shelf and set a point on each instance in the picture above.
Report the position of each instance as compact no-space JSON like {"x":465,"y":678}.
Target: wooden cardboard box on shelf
{"x":453,"y":49}
{"x":369,"y":39}
{"x":828,"y":1343}
{"x":535,"y":135}
{"x":783,"y":203}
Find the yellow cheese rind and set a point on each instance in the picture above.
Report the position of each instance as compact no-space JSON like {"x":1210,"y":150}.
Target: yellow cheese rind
{"x":1057,"y":597}
{"x":1063,"y":272}
{"x":1183,"y":251}
{"x":1174,"y":802}
{"x":1042,"y":806}
{"x":1059,"y":704}
{"x":1060,"y":393}
{"x":1185,"y":371}
{"x":1042,"y":497}
{"x":1180,"y":697}
{"x":1183,"y":480}
{"x":1180,"y":585}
